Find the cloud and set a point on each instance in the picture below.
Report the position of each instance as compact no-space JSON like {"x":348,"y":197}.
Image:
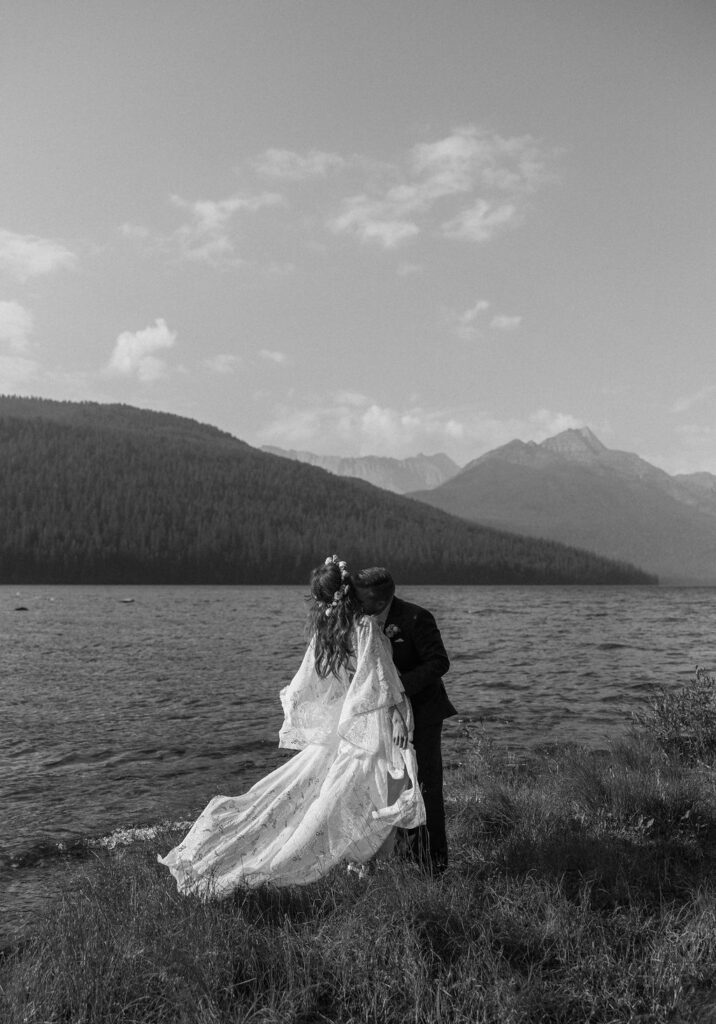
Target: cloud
{"x":16,"y":325}
{"x":476,"y":183}
{"x":350,"y":419}
{"x":471,"y":324}
{"x":209,"y":215}
{"x":272,"y":356}
{"x":481,"y":222}
{"x":384,"y":424}
{"x":401,"y":429}
{"x":465,"y":325}
{"x":544,"y":423}
{"x":468,"y":186}
{"x":373,"y":220}
{"x":291,"y":166}
{"x":209,"y":232}
{"x":473,"y":312}
{"x":505,"y":323}
{"x":689,"y":401}
{"x":25,"y":256}
{"x":134,"y":352}
{"x":473,"y":158}
{"x":356,"y":424}
{"x":223,"y":363}
{"x":208,"y":236}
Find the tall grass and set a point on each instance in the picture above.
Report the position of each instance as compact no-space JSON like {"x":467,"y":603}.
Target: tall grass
{"x":581,"y":889}
{"x":683,"y":721}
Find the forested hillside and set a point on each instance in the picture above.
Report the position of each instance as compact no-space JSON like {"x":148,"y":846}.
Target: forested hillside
{"x":106,"y":493}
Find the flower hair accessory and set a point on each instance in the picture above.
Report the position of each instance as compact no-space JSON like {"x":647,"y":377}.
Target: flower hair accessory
{"x":345,"y":583}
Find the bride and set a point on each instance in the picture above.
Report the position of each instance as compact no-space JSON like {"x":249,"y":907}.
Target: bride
{"x":354,"y":781}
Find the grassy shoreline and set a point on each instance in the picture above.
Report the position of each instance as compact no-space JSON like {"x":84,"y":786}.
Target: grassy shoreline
{"x":582,"y":887}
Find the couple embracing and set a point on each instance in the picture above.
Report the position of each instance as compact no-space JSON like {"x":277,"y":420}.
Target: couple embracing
{"x":365,"y":711}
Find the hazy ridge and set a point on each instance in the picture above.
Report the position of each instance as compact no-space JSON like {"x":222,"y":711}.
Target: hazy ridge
{"x":397,"y":475}
{"x":573,"y":489}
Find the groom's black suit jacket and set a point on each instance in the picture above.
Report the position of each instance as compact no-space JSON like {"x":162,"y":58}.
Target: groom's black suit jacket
{"x":421,"y":660}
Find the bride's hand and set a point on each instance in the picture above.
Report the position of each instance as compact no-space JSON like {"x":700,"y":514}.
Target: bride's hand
{"x":400,"y":731}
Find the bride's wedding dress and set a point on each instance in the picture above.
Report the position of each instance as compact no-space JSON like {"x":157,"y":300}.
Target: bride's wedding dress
{"x":339,"y":799}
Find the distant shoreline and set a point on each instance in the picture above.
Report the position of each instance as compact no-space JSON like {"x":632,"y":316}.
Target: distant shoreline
{"x":533,"y":585}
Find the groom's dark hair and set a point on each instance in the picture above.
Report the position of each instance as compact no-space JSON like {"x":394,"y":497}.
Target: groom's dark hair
{"x":375,"y":578}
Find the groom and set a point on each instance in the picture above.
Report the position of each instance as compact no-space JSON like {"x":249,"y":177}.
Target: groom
{"x":421,"y":661}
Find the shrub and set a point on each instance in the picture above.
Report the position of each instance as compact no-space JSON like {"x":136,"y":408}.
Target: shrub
{"x":683,"y":722}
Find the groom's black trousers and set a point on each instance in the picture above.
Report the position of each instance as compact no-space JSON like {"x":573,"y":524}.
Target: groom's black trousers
{"x":428,"y":842}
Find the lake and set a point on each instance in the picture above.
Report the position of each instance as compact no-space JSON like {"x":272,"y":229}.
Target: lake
{"x":131,"y":706}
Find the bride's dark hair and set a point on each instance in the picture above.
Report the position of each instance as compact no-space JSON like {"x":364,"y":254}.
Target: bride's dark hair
{"x":334,"y":608}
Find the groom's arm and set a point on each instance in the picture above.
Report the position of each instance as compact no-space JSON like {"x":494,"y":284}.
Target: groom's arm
{"x":433,"y":663}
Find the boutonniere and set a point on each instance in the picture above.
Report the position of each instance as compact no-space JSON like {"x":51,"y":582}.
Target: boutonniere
{"x":392,"y":631}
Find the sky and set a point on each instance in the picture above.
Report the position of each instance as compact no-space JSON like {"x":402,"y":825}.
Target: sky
{"x":359,"y":227}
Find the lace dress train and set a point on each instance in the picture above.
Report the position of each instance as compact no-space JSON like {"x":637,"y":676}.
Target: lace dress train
{"x":338,"y":799}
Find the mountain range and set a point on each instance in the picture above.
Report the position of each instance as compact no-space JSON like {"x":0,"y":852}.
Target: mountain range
{"x":570,"y":488}
{"x":573,"y":489}
{"x":94,"y":493}
{"x":397,"y":475}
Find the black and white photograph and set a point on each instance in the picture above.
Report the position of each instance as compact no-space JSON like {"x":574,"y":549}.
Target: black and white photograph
{"x":358,"y":512}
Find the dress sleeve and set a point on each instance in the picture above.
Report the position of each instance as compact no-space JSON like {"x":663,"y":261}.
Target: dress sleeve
{"x":311,"y":705}
{"x":374,"y":689}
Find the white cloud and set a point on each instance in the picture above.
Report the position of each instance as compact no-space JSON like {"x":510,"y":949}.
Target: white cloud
{"x":209,"y":233}
{"x":446,"y":166}
{"x":208,"y":236}
{"x":15,"y":325}
{"x":544,"y":423}
{"x":223,"y":363}
{"x":134,"y":352}
{"x":373,"y":220}
{"x":501,"y":322}
{"x":480,"y":222}
{"x":383,"y":424}
{"x":272,"y":356}
{"x":25,"y":256}
{"x":465,"y":324}
{"x":469,"y":185}
{"x":355,"y":424}
{"x":209,"y":215}
{"x":471,"y":314}
{"x":286,"y":164}
{"x":472,"y":157}
{"x":689,"y":401}
{"x":493,"y":174}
